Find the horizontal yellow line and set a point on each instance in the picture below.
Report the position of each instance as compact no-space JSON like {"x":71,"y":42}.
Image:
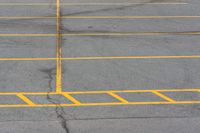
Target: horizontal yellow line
{"x":133,"y":91}
{"x":28,"y":35}
{"x":27,"y":59}
{"x":90,"y":4}
{"x":127,"y":17}
{"x":104,"y":58}
{"x":131,"y":57}
{"x":26,"y":17}
{"x":101,"y":17}
{"x":132,"y":34}
{"x":99,"y":104}
{"x":104,"y":34}
{"x":104,"y":91}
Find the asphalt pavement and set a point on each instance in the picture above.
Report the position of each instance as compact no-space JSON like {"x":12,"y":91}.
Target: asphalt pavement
{"x":96,"y":66}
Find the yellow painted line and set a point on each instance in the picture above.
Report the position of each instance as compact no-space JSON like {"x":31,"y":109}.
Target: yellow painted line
{"x":28,"y":93}
{"x":105,"y":34}
{"x":117,"y":97}
{"x":132,"y":91}
{"x":27,"y":59}
{"x":129,"y":17}
{"x":58,"y":50}
{"x":71,"y":98}
{"x":25,"y":99}
{"x":132,"y":34}
{"x":100,"y":104}
{"x":91,"y":4}
{"x":124,"y":3}
{"x":104,"y":58}
{"x":101,"y":17}
{"x":26,"y":17}
{"x":103,"y":91}
{"x":27,"y":35}
{"x":163,"y":96}
{"x":132,"y":57}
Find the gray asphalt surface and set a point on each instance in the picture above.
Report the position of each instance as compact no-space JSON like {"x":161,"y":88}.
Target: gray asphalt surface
{"x":85,"y":75}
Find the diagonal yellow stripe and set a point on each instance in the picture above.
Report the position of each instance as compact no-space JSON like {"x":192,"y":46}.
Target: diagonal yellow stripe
{"x":163,"y":96}
{"x":25,"y":99}
{"x":118,"y":97}
{"x":71,"y":98}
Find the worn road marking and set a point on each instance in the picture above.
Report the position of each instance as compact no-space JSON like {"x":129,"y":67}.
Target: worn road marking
{"x":104,"y":58}
{"x":71,"y":98}
{"x":113,"y":93}
{"x":25,"y":99}
{"x":163,"y":96}
{"x":93,"y":4}
{"x":58,"y":50}
{"x":104,"y":34}
{"x":101,"y":17}
{"x":118,"y":97}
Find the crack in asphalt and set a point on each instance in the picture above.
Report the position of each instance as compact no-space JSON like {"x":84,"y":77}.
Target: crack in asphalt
{"x":51,"y":74}
{"x":113,"y":8}
{"x":58,"y":109}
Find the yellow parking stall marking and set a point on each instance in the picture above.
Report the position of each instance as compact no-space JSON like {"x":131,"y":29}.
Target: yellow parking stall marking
{"x":58,"y":49}
{"x":132,"y":34}
{"x":71,"y":98}
{"x":27,"y":59}
{"x":104,"y":91}
{"x":92,"y":4}
{"x":27,"y":35}
{"x":25,"y":99}
{"x":104,"y":34}
{"x":163,"y":96}
{"x":130,"y":17}
{"x":104,"y":58}
{"x":101,"y":104}
{"x":101,"y":17}
{"x":132,"y":91}
{"x":117,"y":97}
{"x":76,"y":103}
{"x":26,"y":17}
{"x":132,"y":57}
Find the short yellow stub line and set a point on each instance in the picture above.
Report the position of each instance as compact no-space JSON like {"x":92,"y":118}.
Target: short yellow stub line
{"x":71,"y":98}
{"x":118,"y":97}
{"x":27,"y":17}
{"x":163,"y":96}
{"x":27,"y":59}
{"x":25,"y":99}
{"x":27,"y":35}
